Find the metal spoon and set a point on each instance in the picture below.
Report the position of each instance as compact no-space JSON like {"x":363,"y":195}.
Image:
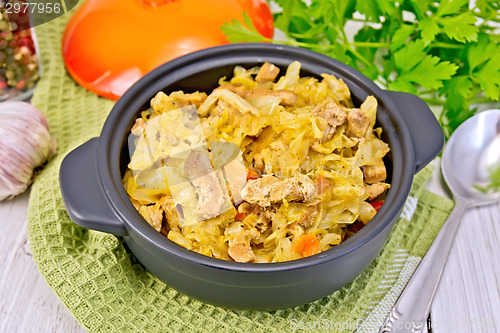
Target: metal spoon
{"x":469,"y":154}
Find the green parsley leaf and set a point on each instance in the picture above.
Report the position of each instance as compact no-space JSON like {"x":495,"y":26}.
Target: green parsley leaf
{"x":401,"y":35}
{"x":368,"y":34}
{"x":447,"y":7}
{"x":339,"y":53}
{"x":418,"y":7}
{"x":484,"y":66}
{"x":481,"y":52}
{"x":489,"y":77}
{"x":494,"y":186}
{"x":430,"y":73}
{"x":461,"y":28}
{"x":457,"y":91}
{"x":410,"y":55}
{"x":415,"y":66}
{"x":428,"y":30}
{"x":488,"y":8}
{"x":387,"y":7}
{"x":295,"y":17}
{"x":373,"y":9}
{"x":236,"y":32}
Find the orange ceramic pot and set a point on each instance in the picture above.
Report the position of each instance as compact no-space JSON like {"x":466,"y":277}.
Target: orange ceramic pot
{"x":109,"y":44}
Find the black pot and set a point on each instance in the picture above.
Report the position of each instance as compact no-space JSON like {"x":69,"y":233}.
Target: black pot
{"x":92,"y":190}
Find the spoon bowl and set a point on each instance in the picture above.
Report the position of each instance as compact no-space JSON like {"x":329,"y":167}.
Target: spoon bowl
{"x":471,"y":151}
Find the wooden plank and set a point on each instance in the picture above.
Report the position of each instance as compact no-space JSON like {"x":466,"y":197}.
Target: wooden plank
{"x":468,"y":298}
{"x":27,"y":304}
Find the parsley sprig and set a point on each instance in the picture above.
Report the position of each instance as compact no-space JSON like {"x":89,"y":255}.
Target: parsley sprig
{"x":445,"y":52}
{"x":494,"y":178}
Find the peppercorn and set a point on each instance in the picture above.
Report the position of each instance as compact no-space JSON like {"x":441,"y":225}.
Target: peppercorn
{"x":18,"y":60}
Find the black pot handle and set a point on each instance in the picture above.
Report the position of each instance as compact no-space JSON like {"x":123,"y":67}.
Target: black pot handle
{"x":82,"y":192}
{"x":425,"y":130}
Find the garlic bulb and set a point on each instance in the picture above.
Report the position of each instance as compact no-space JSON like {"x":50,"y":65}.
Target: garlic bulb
{"x":25,"y":144}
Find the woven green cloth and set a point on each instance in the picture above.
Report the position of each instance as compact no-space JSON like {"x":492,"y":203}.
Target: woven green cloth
{"x":108,"y":290}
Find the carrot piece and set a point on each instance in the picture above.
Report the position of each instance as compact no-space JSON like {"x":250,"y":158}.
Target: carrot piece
{"x":322,"y":184}
{"x":307,"y":245}
{"x":252,"y":174}
{"x":240,"y":216}
{"x":377,"y":204}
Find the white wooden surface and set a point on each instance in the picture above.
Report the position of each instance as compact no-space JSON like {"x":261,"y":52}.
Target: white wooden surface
{"x":27,"y":304}
{"x":468,"y":299}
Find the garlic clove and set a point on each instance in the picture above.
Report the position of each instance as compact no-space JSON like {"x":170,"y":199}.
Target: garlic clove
{"x":25,"y":144}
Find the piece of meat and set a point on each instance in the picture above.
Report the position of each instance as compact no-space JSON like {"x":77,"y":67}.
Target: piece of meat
{"x":206,"y":184}
{"x":267,"y":73}
{"x":295,"y":229}
{"x":334,"y":116}
{"x":236,"y":176}
{"x":262,"y":223}
{"x":309,"y":216}
{"x":222,"y":106}
{"x":264,"y":216}
{"x":293,"y":189}
{"x":196,"y":98}
{"x":156,"y":214}
{"x":245,"y":208}
{"x":288,"y":97}
{"x":237,"y":88}
{"x":239,"y":246}
{"x":168,"y":205}
{"x":375,"y":190}
{"x":258,"y":191}
{"x":138,"y":127}
{"x":357,"y":124}
{"x":374,"y":173}
{"x":258,"y":162}
{"x":268,"y":189}
{"x":332,"y":113}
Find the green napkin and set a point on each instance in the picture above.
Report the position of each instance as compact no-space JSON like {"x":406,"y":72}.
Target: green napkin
{"x":107,"y":289}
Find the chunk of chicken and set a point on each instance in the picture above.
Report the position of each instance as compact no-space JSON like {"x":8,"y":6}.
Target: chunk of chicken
{"x":168,"y":205}
{"x":357,"y":124}
{"x":310,"y":213}
{"x":258,"y":162}
{"x":374,"y":173}
{"x":138,"y":127}
{"x":375,"y":190}
{"x":267,"y":73}
{"x":246,"y":208}
{"x":178,"y":99}
{"x":236,"y":176}
{"x":288,"y":97}
{"x":239,"y":246}
{"x":295,"y":229}
{"x":237,"y":88}
{"x":206,"y":184}
{"x":156,"y":214}
{"x":268,"y":189}
{"x":334,"y":116}
{"x":222,"y":106}
{"x":264,"y":216}
{"x":332,"y":113}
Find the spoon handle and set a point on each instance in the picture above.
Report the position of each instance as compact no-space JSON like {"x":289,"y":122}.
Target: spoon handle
{"x":410,"y":312}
